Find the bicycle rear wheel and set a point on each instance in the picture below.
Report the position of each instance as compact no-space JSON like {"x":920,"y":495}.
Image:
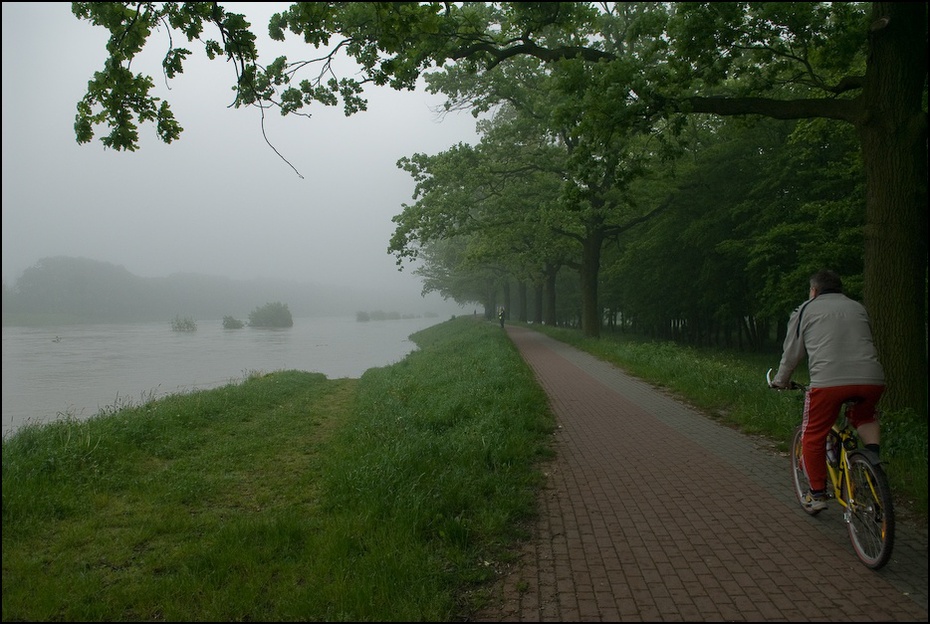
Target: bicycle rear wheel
{"x":870,"y":511}
{"x":801,"y":484}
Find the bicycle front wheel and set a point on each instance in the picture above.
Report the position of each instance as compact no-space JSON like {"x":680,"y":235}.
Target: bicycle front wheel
{"x":870,"y":511}
{"x":801,"y":484}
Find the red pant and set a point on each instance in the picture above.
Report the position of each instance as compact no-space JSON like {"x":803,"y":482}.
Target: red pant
{"x":821,"y":409}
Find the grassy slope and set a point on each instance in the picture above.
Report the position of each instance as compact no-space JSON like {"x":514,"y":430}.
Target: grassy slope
{"x":286,"y":497}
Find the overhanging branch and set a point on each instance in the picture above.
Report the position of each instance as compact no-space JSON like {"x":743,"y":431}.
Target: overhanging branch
{"x":843,"y":110}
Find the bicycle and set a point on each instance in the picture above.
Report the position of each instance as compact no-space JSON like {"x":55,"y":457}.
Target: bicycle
{"x":857,"y":481}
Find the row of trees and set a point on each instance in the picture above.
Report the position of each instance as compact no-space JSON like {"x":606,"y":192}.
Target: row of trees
{"x":596,"y":108}
{"x":750,"y":211}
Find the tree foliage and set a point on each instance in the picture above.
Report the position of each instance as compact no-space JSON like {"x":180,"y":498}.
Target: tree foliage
{"x":629,"y":65}
{"x":231,"y":322}
{"x":273,"y":314}
{"x":183,"y":324}
{"x":766,"y":205}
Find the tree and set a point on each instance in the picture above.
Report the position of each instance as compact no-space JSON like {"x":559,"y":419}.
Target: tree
{"x":274,"y":314}
{"x":231,"y":322}
{"x":183,"y":324}
{"x":556,"y":165}
{"x":499,"y":197}
{"x":761,"y":43}
{"x":863,"y":64}
{"x":767,"y":203}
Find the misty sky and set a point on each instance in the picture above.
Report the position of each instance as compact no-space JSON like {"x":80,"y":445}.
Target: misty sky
{"x":219,"y":201}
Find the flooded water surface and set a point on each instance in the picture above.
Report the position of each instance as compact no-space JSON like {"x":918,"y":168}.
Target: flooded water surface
{"x":78,"y":370}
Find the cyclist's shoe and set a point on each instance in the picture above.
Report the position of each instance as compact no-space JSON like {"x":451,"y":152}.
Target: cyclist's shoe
{"x":815,"y":502}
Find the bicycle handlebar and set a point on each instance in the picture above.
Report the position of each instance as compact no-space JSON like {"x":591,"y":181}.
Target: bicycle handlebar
{"x":792,"y":385}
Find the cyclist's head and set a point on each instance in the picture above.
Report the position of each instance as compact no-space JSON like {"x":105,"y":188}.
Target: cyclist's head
{"x":826,"y":281}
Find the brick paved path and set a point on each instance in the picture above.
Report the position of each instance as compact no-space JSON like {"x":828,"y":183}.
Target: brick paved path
{"x":653,"y":512}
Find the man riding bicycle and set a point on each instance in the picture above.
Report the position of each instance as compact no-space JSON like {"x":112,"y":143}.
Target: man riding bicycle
{"x":834,"y":332}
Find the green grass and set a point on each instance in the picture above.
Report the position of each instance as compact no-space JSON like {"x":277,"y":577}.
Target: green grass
{"x":290,"y":496}
{"x":286,"y":497}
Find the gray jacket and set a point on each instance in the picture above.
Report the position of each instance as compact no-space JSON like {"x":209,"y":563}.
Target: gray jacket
{"x":834,"y":332}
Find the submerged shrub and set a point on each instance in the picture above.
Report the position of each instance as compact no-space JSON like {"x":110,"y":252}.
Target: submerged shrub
{"x":230,"y":322}
{"x":271,"y":315}
{"x":185,"y":324}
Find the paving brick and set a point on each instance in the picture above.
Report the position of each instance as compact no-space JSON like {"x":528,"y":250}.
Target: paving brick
{"x":654,"y":512}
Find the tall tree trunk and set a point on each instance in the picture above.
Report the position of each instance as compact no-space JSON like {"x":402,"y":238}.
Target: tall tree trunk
{"x":893,"y":134}
{"x":522,"y":312}
{"x":507,"y":313}
{"x":892,"y":127}
{"x":549,"y":312}
{"x":589,"y":274}
{"x":490,"y":306}
{"x":538,"y":290}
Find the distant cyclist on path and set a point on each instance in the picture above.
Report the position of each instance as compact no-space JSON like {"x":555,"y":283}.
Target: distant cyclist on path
{"x":835,"y":334}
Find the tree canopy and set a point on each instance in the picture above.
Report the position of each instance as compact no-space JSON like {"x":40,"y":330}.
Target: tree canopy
{"x":632,"y":65}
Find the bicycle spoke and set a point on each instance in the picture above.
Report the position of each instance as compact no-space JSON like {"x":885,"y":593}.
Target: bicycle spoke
{"x":870,"y":515}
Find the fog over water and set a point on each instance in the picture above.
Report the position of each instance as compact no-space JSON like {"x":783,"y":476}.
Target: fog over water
{"x":220,"y":201}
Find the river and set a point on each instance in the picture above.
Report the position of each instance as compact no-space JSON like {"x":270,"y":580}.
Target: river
{"x":77,"y":370}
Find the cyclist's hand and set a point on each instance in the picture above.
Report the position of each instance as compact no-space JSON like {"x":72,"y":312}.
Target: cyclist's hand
{"x":774,"y":384}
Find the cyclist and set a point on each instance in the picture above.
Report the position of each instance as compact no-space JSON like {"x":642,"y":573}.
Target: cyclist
{"x":834,"y":332}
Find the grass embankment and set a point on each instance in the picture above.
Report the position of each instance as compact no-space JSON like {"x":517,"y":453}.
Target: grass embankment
{"x":286,"y":497}
{"x":294,"y":497}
